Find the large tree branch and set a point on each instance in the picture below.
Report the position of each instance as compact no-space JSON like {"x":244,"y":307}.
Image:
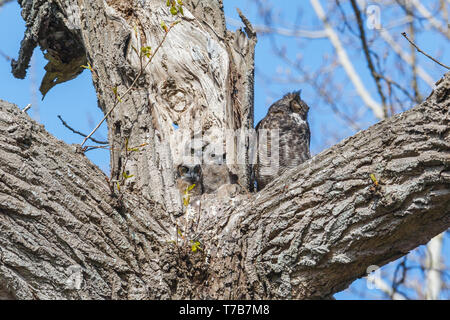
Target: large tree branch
{"x":58,"y":219}
{"x":308,"y":234}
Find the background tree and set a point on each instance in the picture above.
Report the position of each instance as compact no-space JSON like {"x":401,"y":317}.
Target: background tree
{"x":260,"y":241}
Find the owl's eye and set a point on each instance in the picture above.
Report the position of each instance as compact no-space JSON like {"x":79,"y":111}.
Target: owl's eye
{"x":192,"y":152}
{"x":295,"y":106}
{"x":183,"y":170}
{"x":197,"y":168}
{"x":213,"y":155}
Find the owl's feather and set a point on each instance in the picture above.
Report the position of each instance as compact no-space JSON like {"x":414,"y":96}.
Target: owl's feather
{"x":189,"y":179}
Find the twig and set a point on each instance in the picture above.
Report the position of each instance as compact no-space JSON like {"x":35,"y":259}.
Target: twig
{"x":406,"y":56}
{"x":426,"y":55}
{"x":79,"y":133}
{"x":26,"y":108}
{"x":395,"y":282}
{"x":433,"y":270}
{"x":8,"y":58}
{"x":412,"y":31}
{"x":89,"y":148}
{"x":441,"y":27}
{"x":262,"y":29}
{"x":362,"y":36}
{"x":380,"y":284}
{"x":398,"y":86}
{"x":346,"y":62}
{"x":2,"y":2}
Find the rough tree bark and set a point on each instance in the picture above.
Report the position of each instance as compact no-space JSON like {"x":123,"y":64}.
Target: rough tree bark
{"x":64,"y":233}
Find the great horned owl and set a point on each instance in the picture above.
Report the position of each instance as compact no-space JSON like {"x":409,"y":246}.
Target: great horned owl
{"x":283,"y":138}
{"x":188,"y":175}
{"x":216,"y":172}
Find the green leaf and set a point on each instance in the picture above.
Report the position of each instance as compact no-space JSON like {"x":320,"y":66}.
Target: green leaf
{"x":89,"y":67}
{"x":374,"y":180}
{"x":163,"y":25}
{"x":146,"y":51}
{"x":173,"y":10}
{"x":168,"y":3}
{"x":180,"y":8}
{"x":114,"y":89}
{"x":190,"y":187}
{"x":126,"y":176}
{"x":186,"y":200}
{"x":195,"y":246}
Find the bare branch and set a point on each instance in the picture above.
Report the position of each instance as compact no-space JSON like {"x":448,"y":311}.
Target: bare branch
{"x":430,"y":18}
{"x":4,"y":55}
{"x":425,"y":54}
{"x":345,"y":62}
{"x":414,"y":84}
{"x":375,"y":75}
{"x":27,"y":107}
{"x":262,"y":29}
{"x":433,"y":272}
{"x":2,"y":2}
{"x":78,"y":132}
{"x":406,"y":57}
{"x":387,"y":289}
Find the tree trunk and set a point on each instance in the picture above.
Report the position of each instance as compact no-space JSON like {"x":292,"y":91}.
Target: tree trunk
{"x":68,"y":231}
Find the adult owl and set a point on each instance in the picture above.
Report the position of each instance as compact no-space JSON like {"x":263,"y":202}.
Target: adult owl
{"x":283,"y":138}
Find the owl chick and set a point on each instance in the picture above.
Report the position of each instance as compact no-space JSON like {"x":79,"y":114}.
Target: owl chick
{"x":216,"y":172}
{"x":186,"y":177}
{"x":283,"y":138}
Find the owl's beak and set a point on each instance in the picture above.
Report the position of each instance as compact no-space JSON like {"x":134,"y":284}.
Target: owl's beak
{"x":191,"y":177}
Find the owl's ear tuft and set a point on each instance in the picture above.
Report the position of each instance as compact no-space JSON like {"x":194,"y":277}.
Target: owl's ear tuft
{"x":299,"y":106}
{"x":295,"y":95}
{"x":295,"y":106}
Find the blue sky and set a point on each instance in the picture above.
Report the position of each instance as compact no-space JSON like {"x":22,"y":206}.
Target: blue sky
{"x":76,"y":100}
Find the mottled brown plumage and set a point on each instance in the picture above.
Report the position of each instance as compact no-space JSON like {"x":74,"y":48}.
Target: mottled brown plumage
{"x":187,"y":176}
{"x":216,"y":172}
{"x":283,"y":138}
